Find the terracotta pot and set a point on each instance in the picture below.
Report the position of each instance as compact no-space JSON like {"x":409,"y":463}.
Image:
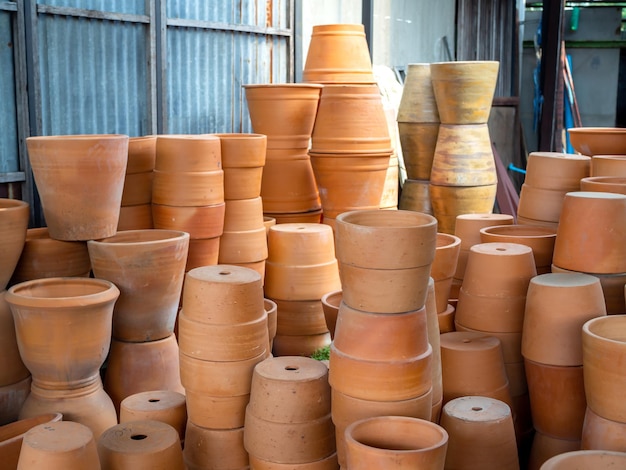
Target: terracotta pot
{"x":80,"y":179}
{"x":540,"y":239}
{"x":338,"y":53}
{"x":418,"y":141}
{"x":480,"y":434}
{"x":350,"y":120}
{"x":464,"y":90}
{"x":415,"y":196}
{"x":166,"y":406}
{"x":542,"y":223}
{"x":137,"y":217}
{"x":141,"y":154}
{"x":243,"y":158}
{"x":299,"y":345}
{"x":219,"y":449}
{"x":463,"y":156}
{"x":75,"y":314}
{"x":12,"y":398}
{"x":312,"y":217}
{"x":145,"y":443}
{"x":202,"y":188}
{"x":598,"y":140}
{"x":387,"y":442}
{"x":301,"y":244}
{"x":612,"y":288}
{"x":557,"y":399}
{"x":605,"y":184}
{"x":380,"y":245}
{"x":137,"y":189}
{"x":244,"y":238}
{"x":285,"y":113}
{"x":12,"y":435}
{"x":89,"y":404}
{"x":203,"y":252}
{"x":586,"y":460}
{"x":303,"y":317}
{"x":216,"y":413}
{"x":444,"y":267}
{"x":604,"y":349}
{"x":571,"y":299}
{"x":545,"y":447}
{"x":288,"y":184}
{"x":14,"y":216}
{"x":541,"y":204}
{"x":511,"y":342}
{"x":418,"y":103}
{"x":268,"y":222}
{"x":590,"y":231}
{"x":608,"y":165}
{"x":188,"y":153}
{"x":312,"y":281}
{"x":61,"y":445}
{"x":44,"y":257}
{"x":473,"y":364}
{"x":448,"y":202}
{"x":446,"y":319}
{"x":494,"y":313}
{"x":330,"y":305}
{"x":141,"y":367}
{"x":347,"y":410}
{"x":555,"y":170}
{"x":12,"y":369}
{"x":602,"y":434}
{"x":199,"y":222}
{"x":148,"y":266}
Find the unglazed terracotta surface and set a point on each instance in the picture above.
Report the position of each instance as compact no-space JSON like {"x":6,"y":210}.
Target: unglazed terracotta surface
{"x":592,"y":141}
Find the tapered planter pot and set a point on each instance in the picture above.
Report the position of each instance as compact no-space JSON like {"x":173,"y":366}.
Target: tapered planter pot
{"x":14,"y":216}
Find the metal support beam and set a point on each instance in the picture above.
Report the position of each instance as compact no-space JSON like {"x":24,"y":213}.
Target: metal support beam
{"x":551,"y":72}
{"x":367,"y":17}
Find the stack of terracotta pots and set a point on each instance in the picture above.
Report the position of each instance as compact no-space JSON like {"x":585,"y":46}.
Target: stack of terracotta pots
{"x":590,"y":239}
{"x":604,"y":357}
{"x":300,"y":269}
{"x":244,"y":240}
{"x":463,"y":176}
{"x":557,"y":307}
{"x":136,"y":210}
{"x":369,"y":375}
{"x":14,"y":377}
{"x":188,"y":193}
{"x":418,"y":126}
{"x":223,"y":335}
{"x":549,"y":176}
{"x":148,"y":266}
{"x":285,"y":113}
{"x":492,"y":301}
{"x":288,"y":420}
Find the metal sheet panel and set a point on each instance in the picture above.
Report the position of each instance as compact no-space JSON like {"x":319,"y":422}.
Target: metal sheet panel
{"x":270,"y":13}
{"x":93,"y":76}
{"x":9,"y":160}
{"x":134,"y":7}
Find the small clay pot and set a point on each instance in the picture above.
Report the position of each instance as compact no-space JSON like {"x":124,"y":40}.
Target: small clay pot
{"x":216,"y":413}
{"x":480,"y":434}
{"x":137,"y":444}
{"x":61,"y":445}
{"x":271,"y":311}
{"x":598,"y":140}
{"x":586,"y":460}
{"x":166,"y":406}
{"x":415,"y":196}
{"x":556,"y":170}
{"x":301,"y":244}
{"x":605,"y":184}
{"x":300,"y":282}
{"x":198,"y":221}
{"x":444,"y":267}
{"x":330,"y":305}
{"x":202,"y":188}
{"x":14,"y":216}
{"x":395,"y":442}
{"x":541,"y":203}
{"x":608,"y":165}
{"x":12,"y":435}
{"x":188,"y":153}
{"x":511,"y":342}
{"x":219,"y":449}
{"x":243,"y":158}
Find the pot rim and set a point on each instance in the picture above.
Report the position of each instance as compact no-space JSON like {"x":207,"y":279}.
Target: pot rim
{"x":161,"y":236}
{"x":16,"y":295}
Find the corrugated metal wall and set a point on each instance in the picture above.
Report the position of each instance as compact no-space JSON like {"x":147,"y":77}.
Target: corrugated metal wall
{"x":135,"y":68}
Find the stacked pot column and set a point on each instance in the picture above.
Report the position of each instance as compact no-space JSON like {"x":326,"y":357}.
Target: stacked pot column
{"x":285,"y":113}
{"x":136,"y":210}
{"x":385,"y":259}
{"x":418,"y":126}
{"x":223,"y":335}
{"x":557,"y":307}
{"x":148,"y":266}
{"x":14,"y":376}
{"x":463,"y":176}
{"x":300,"y":269}
{"x":244,"y":240}
{"x":188,"y":193}
{"x":492,"y":301}
{"x":590,"y":239}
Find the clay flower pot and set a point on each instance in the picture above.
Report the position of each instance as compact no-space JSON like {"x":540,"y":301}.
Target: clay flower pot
{"x":598,"y":140}
{"x":202,"y":188}
{"x":148,"y":266}
{"x":377,"y":248}
{"x":338,"y":53}
{"x":80,"y":179}
{"x":76,"y":316}
{"x":243,"y":158}
{"x":12,"y":369}
{"x":418,"y":103}
{"x":398,"y":442}
{"x":137,"y":217}
{"x":201,"y":222}
{"x":144,"y":443}
{"x":12,"y":435}
{"x":415,"y":196}
{"x":61,"y":445}
{"x":220,"y":449}
{"x":605,"y":184}
{"x":545,"y":447}
{"x":449,"y":202}
{"x":608,"y":165}
{"x":188,"y":153}
{"x":330,"y":305}
{"x":12,"y":398}
{"x":604,"y":350}
{"x":602,"y":434}
{"x":14,"y":216}
{"x":555,"y":170}
{"x":586,"y":460}
{"x":464,"y":90}
{"x":444,"y":267}
{"x":166,"y":406}
{"x":592,"y":230}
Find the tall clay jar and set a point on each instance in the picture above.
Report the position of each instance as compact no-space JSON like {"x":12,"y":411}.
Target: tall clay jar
{"x":14,"y":216}
{"x":148,"y":266}
{"x":80,"y":179}
{"x":395,"y":442}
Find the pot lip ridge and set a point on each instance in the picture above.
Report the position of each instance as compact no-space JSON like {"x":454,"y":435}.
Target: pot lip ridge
{"x":174,"y":236}
{"x":15,"y":295}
